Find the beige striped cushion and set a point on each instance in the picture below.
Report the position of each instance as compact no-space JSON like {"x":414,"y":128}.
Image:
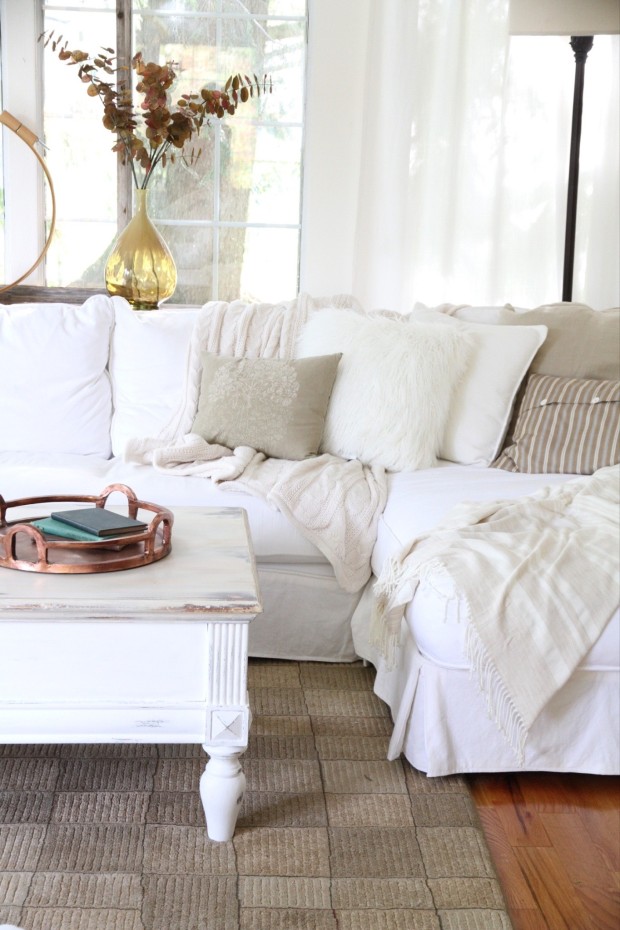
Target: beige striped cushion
{"x":568,"y":426}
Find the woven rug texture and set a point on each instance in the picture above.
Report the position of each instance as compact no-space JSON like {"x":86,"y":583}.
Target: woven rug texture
{"x":331,"y":836}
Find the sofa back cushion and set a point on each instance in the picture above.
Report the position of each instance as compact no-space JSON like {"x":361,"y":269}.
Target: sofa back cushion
{"x":56,"y":394}
{"x":581,"y":342}
{"x":148,"y":367}
{"x":483,"y":400}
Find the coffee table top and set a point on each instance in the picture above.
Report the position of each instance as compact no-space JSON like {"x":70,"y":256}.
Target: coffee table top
{"x":210,"y":573}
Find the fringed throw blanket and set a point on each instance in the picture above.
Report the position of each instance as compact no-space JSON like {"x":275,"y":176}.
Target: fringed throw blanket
{"x":335,"y":503}
{"x":536,"y":581}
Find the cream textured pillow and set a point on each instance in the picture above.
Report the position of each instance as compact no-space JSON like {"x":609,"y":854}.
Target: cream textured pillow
{"x":483,"y":402}
{"x":566,"y":426}
{"x":393,"y":388}
{"x":276,"y":406}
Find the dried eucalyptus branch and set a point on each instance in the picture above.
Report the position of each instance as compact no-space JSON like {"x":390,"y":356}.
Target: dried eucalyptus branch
{"x":146,"y":133}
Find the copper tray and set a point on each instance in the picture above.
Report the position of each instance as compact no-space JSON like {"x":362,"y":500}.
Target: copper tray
{"x":26,"y":548}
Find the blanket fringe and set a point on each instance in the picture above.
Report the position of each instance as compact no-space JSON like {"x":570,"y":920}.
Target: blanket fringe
{"x":500,"y":706}
{"x":384,"y":630}
{"x":393,"y":591}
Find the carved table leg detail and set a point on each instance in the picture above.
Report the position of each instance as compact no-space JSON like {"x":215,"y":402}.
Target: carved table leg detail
{"x":222,"y":785}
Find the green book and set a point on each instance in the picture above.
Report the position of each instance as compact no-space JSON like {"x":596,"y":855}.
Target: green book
{"x":52,"y":527}
{"x":56,"y":529}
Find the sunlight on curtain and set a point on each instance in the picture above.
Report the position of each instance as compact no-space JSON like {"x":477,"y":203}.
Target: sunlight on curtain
{"x":465,"y":161}
{"x":536,"y":140}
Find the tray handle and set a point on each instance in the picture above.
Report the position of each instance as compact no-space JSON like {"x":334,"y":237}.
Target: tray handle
{"x":10,"y":541}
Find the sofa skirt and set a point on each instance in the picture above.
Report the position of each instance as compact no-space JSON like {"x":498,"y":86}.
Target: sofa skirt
{"x":440,"y":718}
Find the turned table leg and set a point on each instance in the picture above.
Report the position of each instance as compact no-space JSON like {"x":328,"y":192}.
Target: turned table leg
{"x":222,"y":785}
{"x":226,"y":727}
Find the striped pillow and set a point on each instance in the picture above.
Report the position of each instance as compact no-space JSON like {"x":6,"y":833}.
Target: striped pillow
{"x":566,"y":426}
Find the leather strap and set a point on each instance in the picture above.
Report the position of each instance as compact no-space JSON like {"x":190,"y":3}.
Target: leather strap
{"x":27,"y":136}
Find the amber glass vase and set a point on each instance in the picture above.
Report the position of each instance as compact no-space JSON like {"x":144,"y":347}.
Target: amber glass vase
{"x":140,"y":267}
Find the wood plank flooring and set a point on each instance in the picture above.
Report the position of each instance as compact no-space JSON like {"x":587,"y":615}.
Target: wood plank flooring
{"x":555,"y":841}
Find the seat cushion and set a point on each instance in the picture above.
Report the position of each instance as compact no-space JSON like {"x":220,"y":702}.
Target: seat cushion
{"x":274,"y":538}
{"x":32,"y":474}
{"x":419,"y":501}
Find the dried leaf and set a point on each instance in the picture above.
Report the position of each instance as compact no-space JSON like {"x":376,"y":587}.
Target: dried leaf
{"x":147,"y":132}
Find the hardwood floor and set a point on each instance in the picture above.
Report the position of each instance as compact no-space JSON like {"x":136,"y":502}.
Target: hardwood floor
{"x":555,"y":840}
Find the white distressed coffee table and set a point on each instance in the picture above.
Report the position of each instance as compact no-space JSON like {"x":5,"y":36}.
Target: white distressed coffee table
{"x":156,"y":654}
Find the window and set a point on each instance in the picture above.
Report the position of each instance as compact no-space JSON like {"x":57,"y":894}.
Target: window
{"x":232,"y":220}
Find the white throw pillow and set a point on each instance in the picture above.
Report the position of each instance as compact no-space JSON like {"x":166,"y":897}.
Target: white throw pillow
{"x":482,"y":404}
{"x":56,"y":393}
{"x":148,"y":369}
{"x":391,"y":397}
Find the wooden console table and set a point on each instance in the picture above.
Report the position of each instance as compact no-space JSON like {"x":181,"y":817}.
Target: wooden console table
{"x":156,"y":654}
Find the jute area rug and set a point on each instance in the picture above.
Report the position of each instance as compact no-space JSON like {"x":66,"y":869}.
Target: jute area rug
{"x":331,"y":836}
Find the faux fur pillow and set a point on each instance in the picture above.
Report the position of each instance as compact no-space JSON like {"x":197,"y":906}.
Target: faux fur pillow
{"x":391,"y":397}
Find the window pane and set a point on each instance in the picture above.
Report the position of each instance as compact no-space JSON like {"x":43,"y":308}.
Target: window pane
{"x":234,"y":7}
{"x":181,"y":191}
{"x":263,"y":7}
{"x":68,"y":264}
{"x":261,"y":180}
{"x":269,"y":268}
{"x":79,"y":153}
{"x":192,"y":248}
{"x":91,"y":5}
{"x":249,"y":169}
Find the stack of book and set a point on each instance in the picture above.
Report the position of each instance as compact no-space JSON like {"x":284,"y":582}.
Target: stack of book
{"x":89,"y":524}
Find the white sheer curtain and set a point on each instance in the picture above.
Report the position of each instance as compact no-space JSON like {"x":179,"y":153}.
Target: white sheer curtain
{"x":459,"y":140}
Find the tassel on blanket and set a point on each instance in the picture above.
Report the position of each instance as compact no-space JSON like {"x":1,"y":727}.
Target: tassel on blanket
{"x":393,"y":591}
{"x":500,"y":706}
{"x":384,"y":632}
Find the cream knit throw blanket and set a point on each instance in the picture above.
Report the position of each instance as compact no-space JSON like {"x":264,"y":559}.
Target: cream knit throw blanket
{"x":536,"y":581}
{"x":334,"y":503}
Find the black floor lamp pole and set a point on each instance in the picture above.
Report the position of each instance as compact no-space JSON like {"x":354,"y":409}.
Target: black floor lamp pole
{"x":580,"y":45}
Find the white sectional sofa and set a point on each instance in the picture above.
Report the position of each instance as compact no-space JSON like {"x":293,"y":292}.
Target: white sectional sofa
{"x":81,"y":385}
